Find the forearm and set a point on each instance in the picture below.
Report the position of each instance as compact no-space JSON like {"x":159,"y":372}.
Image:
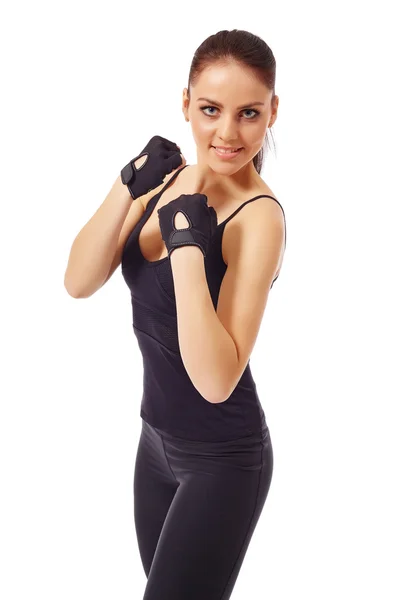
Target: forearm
{"x":208,"y":351}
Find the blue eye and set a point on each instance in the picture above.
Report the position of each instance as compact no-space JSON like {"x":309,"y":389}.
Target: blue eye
{"x":203,"y":108}
{"x":256,"y":112}
{"x":252,"y":110}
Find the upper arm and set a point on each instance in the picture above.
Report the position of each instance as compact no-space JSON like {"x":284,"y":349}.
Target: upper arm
{"x":253,"y":256}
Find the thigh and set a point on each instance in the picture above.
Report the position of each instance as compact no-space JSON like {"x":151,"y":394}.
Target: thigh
{"x":154,"y":488}
{"x":210,"y":522}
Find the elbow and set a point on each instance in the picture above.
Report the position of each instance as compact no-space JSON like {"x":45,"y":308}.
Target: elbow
{"x":69,"y":287}
{"x":220,"y":398}
{"x":71,"y":292}
{"x":212,"y":396}
{"x":216,"y":393}
{"x":224,"y":393}
{"x":217,"y":396}
{"x":213,"y":388}
{"x":74,"y":293}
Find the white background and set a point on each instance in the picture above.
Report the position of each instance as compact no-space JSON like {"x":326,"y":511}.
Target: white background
{"x":85,"y":86}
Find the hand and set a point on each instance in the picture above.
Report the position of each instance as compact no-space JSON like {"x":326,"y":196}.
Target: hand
{"x":147,"y":171}
{"x":202,"y":221}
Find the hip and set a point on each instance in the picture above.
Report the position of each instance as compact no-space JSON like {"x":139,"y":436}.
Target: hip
{"x":247,"y":454}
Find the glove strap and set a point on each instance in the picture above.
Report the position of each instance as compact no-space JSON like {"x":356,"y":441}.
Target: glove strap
{"x":128,"y":174}
{"x":182,"y":237}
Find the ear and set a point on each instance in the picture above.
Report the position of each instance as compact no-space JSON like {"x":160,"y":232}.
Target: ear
{"x":185,"y":104}
{"x":274,"y":114}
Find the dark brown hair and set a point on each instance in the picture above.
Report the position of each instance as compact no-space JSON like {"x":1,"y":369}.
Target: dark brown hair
{"x":244,"y":48}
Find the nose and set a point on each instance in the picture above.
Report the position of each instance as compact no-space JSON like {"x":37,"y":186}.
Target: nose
{"x":227,"y":130}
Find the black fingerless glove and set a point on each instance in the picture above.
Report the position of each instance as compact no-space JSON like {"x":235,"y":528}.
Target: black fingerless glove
{"x":202,"y":222}
{"x":162,"y":157}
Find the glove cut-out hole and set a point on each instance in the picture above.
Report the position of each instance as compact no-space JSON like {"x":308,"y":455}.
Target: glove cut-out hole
{"x":141,"y":161}
{"x":181,"y":221}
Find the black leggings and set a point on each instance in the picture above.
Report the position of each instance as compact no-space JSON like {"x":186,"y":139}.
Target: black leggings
{"x":196,"y":505}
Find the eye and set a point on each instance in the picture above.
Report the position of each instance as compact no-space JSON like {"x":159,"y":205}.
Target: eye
{"x":256,"y":112}
{"x":203,"y":108}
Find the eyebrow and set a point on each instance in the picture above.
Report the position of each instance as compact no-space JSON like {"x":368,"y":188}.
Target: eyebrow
{"x":218,"y":104}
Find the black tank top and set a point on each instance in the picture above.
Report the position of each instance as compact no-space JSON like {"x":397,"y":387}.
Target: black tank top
{"x":170,"y":401}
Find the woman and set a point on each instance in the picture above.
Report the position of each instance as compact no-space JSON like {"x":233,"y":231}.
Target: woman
{"x":200,"y":251}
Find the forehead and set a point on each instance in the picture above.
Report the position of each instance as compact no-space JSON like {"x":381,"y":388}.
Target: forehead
{"x":231,"y":84}
{"x":229,"y":80}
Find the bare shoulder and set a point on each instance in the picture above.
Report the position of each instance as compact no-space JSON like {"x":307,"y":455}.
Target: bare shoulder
{"x":263,"y":188}
{"x":262,"y":212}
{"x":267,"y":212}
{"x":263,"y":208}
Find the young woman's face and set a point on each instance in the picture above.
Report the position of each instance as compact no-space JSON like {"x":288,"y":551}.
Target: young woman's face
{"x":228,"y":107}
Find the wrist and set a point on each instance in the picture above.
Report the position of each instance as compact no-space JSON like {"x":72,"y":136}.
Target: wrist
{"x":186,"y":253}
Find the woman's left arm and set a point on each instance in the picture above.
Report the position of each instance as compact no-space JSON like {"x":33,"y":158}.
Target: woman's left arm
{"x":207,"y":350}
{"x":215,"y":346}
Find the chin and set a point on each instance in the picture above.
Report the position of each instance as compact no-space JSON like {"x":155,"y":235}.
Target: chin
{"x":225,"y":166}
{"x":215,"y":160}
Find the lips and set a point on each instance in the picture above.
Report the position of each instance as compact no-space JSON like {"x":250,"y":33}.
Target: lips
{"x":222,"y":148}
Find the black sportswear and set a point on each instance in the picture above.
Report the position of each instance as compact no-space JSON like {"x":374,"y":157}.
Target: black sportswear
{"x":170,"y":402}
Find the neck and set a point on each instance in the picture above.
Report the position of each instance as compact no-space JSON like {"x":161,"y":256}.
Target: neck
{"x":210,"y":182}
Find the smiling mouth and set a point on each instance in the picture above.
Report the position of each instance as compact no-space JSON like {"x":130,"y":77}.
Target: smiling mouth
{"x":228,"y":149}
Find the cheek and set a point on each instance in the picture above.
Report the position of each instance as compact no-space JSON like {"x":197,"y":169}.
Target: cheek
{"x":258,"y":138}
{"x":202,"y":129}
{"x":256,"y":133}
{"x":253,"y":141}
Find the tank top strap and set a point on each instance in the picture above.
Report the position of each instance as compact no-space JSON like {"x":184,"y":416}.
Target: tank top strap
{"x":251,"y":200}
{"x":157,"y":196}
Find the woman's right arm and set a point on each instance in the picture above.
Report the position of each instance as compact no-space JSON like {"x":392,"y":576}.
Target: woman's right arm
{"x":97,"y":249}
